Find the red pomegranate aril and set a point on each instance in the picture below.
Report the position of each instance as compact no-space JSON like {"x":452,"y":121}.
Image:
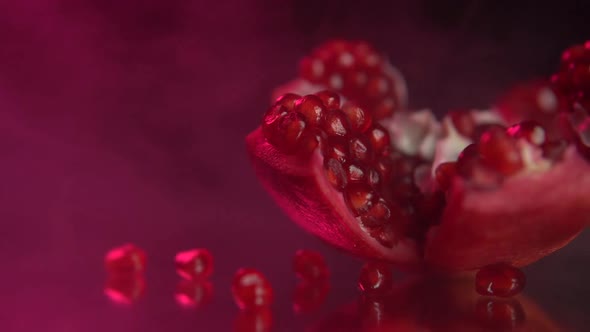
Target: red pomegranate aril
{"x":500,"y":151}
{"x":193,"y":293}
{"x":379,"y":138}
{"x":312,"y":108}
{"x":355,"y":173}
{"x":373,"y":177}
{"x":288,"y":101}
{"x":312,"y":69}
{"x":359,"y":119}
{"x":385,"y":108}
{"x":361,"y":149}
{"x":126,"y":259}
{"x":463,"y":122}
{"x":377,"y":87}
{"x":359,"y":197}
{"x":310,"y":295}
{"x":336,"y":174}
{"x":336,"y":124}
{"x":338,"y":148}
{"x":500,"y":280}
{"x":377,"y":215}
{"x":529,"y":130}
{"x":375,"y":278}
{"x":444,"y":174}
{"x":580,"y":75}
{"x":330,"y":99}
{"x":251,"y":289}
{"x":482,"y":128}
{"x":194,"y":264}
{"x":124,"y":289}
{"x":311,"y":140}
{"x":310,"y":265}
{"x":471,"y":167}
{"x":271,"y":120}
{"x":384,"y":165}
{"x":500,"y":314}
{"x":290,"y":128}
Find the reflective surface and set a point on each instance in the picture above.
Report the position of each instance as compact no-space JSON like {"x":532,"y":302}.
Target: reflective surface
{"x":125,"y":122}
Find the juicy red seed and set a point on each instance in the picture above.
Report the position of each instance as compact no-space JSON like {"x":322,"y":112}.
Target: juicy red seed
{"x":385,"y":108}
{"x":310,"y":140}
{"x":361,"y":149}
{"x":126,"y":259}
{"x":338,"y":148}
{"x":359,"y":119}
{"x":496,"y":314}
{"x":384,"y":165}
{"x":444,"y":174}
{"x":193,"y":293}
{"x":576,"y":54}
{"x":378,"y":86}
{"x":500,"y":280}
{"x":554,"y":150}
{"x":271,"y":119}
{"x":309,"y":296}
{"x":330,"y":99}
{"x":529,"y":130}
{"x":124,"y":289}
{"x":355,"y":173}
{"x":336,"y":174}
{"x":379,"y":138}
{"x":336,"y":124}
{"x":359,"y":197}
{"x":251,"y":289}
{"x":579,"y":126}
{"x":312,"y":108}
{"x":310,"y":265}
{"x":288,"y":101}
{"x":500,"y":151}
{"x":312,"y":69}
{"x":373,"y":178}
{"x":288,"y":132}
{"x":463,"y":122}
{"x":375,"y":278}
{"x":254,"y":320}
{"x":378,"y":215}
{"x":194,"y":264}
{"x":482,"y":128}
{"x":470,"y":166}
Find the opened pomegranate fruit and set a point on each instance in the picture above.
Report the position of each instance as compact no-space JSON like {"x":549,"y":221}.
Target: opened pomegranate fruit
{"x":477,"y":188}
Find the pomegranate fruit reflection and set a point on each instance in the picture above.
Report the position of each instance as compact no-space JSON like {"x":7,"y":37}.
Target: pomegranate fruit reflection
{"x":405,"y":188}
{"x":309,"y":265}
{"x":124,"y":289}
{"x":309,"y":295}
{"x":253,"y":320}
{"x":193,"y":293}
{"x":499,"y":280}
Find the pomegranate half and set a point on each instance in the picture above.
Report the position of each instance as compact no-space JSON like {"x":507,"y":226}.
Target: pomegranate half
{"x":400,"y":186}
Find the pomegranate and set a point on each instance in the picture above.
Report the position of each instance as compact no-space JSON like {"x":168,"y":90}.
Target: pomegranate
{"x":499,"y":280}
{"x":375,"y":278}
{"x":251,"y":289}
{"x":469,"y":191}
{"x":355,"y":70}
{"x":310,"y":266}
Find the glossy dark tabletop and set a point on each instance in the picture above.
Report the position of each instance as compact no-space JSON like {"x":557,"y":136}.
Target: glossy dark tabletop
{"x":124,"y":121}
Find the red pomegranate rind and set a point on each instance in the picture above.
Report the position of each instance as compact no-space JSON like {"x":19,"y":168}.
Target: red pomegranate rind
{"x":302,"y":190}
{"x":527,"y":218}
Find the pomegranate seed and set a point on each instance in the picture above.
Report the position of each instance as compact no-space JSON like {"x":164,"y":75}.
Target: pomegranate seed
{"x":125,"y":259}
{"x":379,"y":138}
{"x":359,"y":198}
{"x":444,"y":174}
{"x":384,"y":166}
{"x":500,"y":151}
{"x":359,"y":119}
{"x":194,"y":264}
{"x":499,"y":314}
{"x":576,"y":54}
{"x":378,"y":87}
{"x":251,"y":289}
{"x":554,"y":150}
{"x":271,"y":120}
{"x":193,"y":293}
{"x":470,"y":166}
{"x":529,"y":130}
{"x":373,"y":178}
{"x":312,"y":108}
{"x":336,"y":174}
{"x":375,"y":278}
{"x":482,"y":128}
{"x":288,"y":132}
{"x":124,"y":289}
{"x":336,"y":124}
{"x":580,"y":75}
{"x":360,"y":149}
{"x":310,"y":265}
{"x":312,"y":69}
{"x":310,"y":140}
{"x":377,"y":216}
{"x":500,"y":280}
{"x":385,"y":108}
{"x":578,"y":122}
{"x":463,"y":122}
{"x":330,"y":99}
{"x":309,"y":296}
{"x":288,"y":101}
{"x":355,"y":173}
{"x":338,"y":148}
{"x":256,"y":320}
